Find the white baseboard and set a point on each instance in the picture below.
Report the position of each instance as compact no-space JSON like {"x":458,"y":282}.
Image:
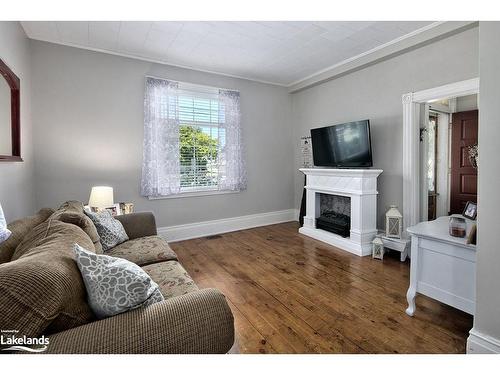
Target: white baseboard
{"x":208,"y":228}
{"x":479,"y":343}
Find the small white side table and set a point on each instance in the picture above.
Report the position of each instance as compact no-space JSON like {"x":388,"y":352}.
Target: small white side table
{"x":402,"y":245}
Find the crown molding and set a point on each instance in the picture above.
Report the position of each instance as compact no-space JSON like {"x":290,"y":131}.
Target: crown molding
{"x":405,"y":43}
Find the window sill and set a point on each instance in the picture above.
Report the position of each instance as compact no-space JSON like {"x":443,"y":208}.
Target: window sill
{"x":198,"y":193}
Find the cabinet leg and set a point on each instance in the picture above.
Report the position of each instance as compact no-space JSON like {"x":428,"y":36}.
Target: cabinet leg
{"x":410,"y":297}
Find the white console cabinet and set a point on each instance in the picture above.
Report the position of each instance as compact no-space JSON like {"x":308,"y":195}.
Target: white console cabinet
{"x":442,"y":267}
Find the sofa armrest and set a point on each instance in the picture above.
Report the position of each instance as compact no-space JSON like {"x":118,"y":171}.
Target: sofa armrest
{"x":198,"y":322}
{"x":139,"y":224}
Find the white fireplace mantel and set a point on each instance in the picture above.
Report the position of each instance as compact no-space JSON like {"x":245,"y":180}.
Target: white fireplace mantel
{"x":360,"y":185}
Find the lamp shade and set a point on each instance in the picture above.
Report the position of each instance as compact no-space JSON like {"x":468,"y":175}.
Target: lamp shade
{"x":101,"y":197}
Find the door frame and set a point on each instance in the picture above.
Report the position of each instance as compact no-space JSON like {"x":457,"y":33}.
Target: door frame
{"x":411,"y":136}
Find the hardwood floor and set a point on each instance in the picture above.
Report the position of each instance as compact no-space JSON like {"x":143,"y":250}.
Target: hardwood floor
{"x":292,"y":294}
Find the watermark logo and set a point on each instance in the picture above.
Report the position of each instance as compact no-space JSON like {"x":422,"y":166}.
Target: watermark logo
{"x":9,"y":341}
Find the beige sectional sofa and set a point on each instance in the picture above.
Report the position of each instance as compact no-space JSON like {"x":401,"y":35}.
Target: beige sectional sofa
{"x":41,"y":295}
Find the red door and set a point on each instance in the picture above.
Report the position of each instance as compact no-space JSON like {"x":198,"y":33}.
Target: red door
{"x":463,"y":183}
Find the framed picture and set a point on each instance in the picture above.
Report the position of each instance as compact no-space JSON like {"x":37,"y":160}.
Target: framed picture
{"x":114,"y":210}
{"x":470,"y":210}
{"x":126,"y":208}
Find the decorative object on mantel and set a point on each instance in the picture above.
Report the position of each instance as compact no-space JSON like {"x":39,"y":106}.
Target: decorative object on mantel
{"x":470,"y":210}
{"x":101,"y":197}
{"x":472,"y":152}
{"x":393,"y":222}
{"x":378,"y":249}
{"x":457,"y":226}
{"x":306,"y":148}
{"x":307,"y":162}
{"x":4,"y":232}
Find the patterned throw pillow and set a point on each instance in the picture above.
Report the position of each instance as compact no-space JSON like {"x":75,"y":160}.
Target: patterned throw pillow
{"x":115,"y":285}
{"x":110,"y":230}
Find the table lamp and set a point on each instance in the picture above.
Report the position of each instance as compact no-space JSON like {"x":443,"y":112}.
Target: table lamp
{"x":101,"y":197}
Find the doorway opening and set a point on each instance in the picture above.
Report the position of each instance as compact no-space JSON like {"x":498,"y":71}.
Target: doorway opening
{"x":448,"y":142}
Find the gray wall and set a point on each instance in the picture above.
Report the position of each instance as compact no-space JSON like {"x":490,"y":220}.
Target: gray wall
{"x":375,"y":93}
{"x":16,"y":179}
{"x":88,"y":121}
{"x":467,"y":103}
{"x":487,"y":317}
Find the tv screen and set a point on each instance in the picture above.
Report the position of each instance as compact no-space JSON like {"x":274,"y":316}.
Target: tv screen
{"x":342,"y":146}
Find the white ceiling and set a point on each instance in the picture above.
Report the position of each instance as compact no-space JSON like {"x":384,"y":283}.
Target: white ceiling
{"x":278,"y":52}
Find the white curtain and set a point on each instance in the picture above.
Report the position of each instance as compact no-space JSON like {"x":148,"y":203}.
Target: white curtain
{"x":232,"y":171}
{"x":161,"y":166}
{"x":161,"y":153}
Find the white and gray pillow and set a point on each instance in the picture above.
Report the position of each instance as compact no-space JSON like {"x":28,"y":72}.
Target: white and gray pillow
{"x":4,"y":232}
{"x":115,"y":285}
{"x":110,"y":230}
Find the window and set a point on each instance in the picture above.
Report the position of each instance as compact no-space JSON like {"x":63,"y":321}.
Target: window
{"x":192,"y":139}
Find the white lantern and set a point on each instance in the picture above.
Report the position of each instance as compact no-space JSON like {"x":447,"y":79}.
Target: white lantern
{"x":393,"y":222}
{"x":378,"y":248}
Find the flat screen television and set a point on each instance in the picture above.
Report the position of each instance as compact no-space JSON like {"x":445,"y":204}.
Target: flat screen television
{"x":343,"y":146}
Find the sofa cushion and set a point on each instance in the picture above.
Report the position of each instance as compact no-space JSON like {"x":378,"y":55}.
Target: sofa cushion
{"x":20,"y":228}
{"x":115,"y":285}
{"x":72,"y":212}
{"x":171,"y":277}
{"x":144,"y":250}
{"x":110,"y":230}
{"x":41,"y":289}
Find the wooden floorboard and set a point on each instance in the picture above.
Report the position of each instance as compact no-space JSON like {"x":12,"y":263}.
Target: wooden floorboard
{"x":292,"y":294}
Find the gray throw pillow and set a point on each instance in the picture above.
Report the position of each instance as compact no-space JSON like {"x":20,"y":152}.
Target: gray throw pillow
{"x":110,"y":230}
{"x":115,"y":285}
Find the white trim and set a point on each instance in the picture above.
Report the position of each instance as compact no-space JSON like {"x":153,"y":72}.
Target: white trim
{"x":198,"y":193}
{"x":411,"y":176}
{"x":456,"y":89}
{"x":347,"y":172}
{"x":190,"y":86}
{"x":393,"y":47}
{"x":208,"y":228}
{"x":296,"y":214}
{"x":479,"y":343}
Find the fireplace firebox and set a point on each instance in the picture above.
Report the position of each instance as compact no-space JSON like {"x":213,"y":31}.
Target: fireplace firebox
{"x":335,"y":214}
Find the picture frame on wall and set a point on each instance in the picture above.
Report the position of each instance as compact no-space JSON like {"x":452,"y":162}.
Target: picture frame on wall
{"x":470,"y":210}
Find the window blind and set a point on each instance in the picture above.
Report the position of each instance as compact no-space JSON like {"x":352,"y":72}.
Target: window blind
{"x":201,"y":137}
